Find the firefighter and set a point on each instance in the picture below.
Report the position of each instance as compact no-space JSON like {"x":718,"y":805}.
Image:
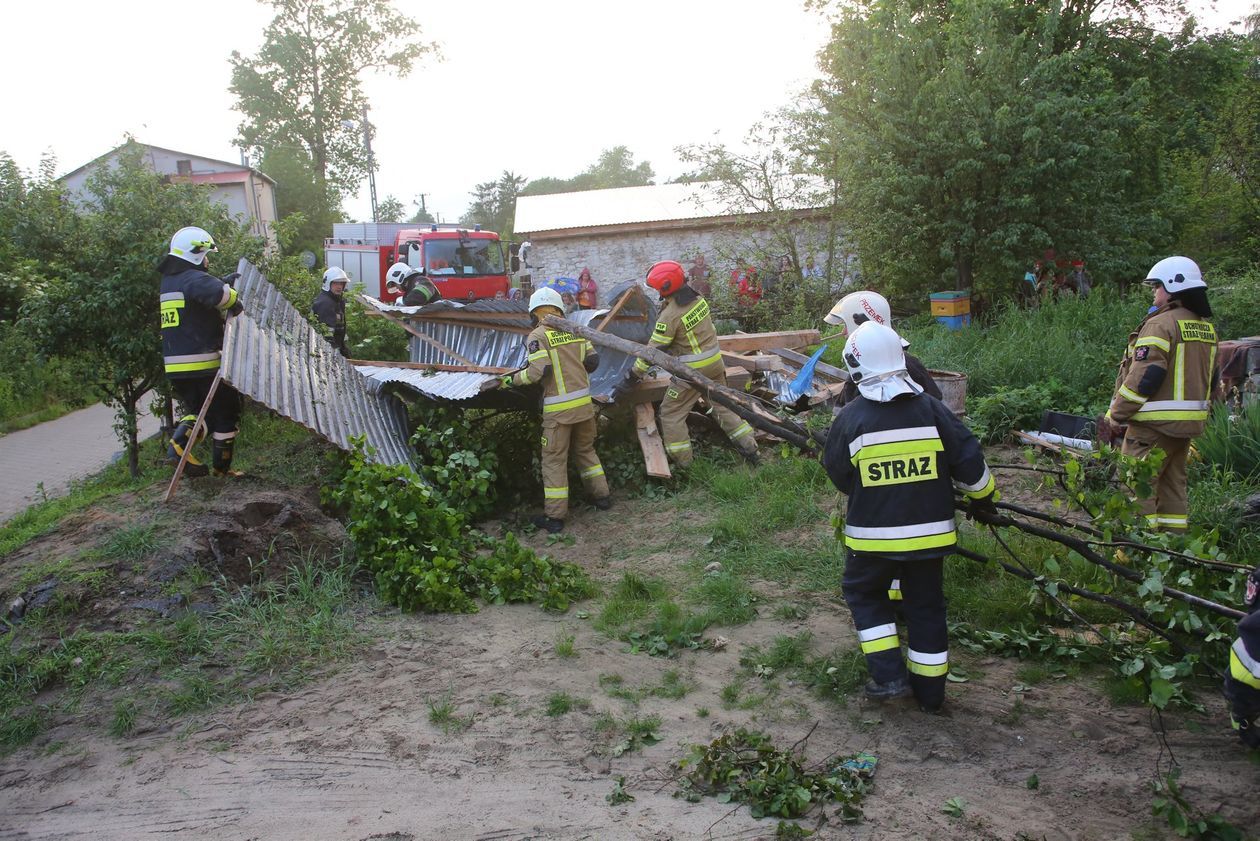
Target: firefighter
{"x":563,"y":363}
{"x":857,"y":308}
{"x":417,"y":290}
{"x":898,"y":454}
{"x":685,"y":330}
{"x":330,"y":307}
{"x":193,"y":304}
{"x":1242,"y":684}
{"x":1164,"y":384}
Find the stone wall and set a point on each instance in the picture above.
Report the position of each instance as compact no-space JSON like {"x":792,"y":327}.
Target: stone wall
{"x":618,"y":257}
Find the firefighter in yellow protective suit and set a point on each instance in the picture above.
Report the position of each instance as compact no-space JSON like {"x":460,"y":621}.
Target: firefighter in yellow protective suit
{"x":1165,"y":383}
{"x":562,"y":362}
{"x":685,"y":330}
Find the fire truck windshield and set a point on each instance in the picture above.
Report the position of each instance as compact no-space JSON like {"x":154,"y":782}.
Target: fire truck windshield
{"x":463,"y":257}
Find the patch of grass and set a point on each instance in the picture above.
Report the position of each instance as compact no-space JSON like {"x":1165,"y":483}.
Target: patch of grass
{"x":791,"y":612}
{"x":702,"y":712}
{"x":124,"y":721}
{"x":131,"y":543}
{"x":727,"y":599}
{"x":631,"y":599}
{"x":1124,"y":691}
{"x":442,"y":713}
{"x":195,"y":692}
{"x":672,"y":686}
{"x":1032,"y":674}
{"x":564,"y":645}
{"x":562,"y":703}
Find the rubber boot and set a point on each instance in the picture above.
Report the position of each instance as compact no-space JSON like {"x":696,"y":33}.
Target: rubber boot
{"x":222,"y":462}
{"x":551,"y":525}
{"x":179,"y":441}
{"x":899,"y":688}
{"x":604,"y":503}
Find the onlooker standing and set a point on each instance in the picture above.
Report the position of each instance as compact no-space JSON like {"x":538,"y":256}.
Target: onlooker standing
{"x":698,"y":277}
{"x":1081,"y":280}
{"x":588,"y":292}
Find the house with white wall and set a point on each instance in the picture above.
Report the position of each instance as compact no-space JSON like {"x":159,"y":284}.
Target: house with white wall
{"x":248,"y":194}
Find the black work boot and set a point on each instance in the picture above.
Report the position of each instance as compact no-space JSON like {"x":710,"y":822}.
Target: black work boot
{"x":222,"y":458}
{"x":603,"y":503}
{"x":548,"y":524}
{"x":899,"y":688}
{"x":751,"y":456}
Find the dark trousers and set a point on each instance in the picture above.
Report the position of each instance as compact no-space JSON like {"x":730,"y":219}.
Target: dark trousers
{"x":224,"y":416}
{"x":866,"y":584}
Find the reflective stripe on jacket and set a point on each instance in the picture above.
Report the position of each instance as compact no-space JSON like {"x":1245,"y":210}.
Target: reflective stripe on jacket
{"x":685,"y":331}
{"x":557,"y":360}
{"x":899,"y":462}
{"x":192,"y":303}
{"x":1165,"y":378}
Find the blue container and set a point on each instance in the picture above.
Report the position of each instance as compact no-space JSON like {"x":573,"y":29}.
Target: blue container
{"x":955,"y":322}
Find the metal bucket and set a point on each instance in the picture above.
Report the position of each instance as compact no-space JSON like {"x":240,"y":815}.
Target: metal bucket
{"x":953,"y":386}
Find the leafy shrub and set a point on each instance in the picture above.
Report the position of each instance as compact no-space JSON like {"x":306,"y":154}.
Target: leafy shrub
{"x":456,"y":462}
{"x":1005,"y":408}
{"x":1236,"y":304}
{"x":425,"y":556}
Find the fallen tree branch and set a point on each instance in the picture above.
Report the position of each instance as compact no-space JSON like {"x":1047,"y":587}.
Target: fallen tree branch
{"x":789,"y":431}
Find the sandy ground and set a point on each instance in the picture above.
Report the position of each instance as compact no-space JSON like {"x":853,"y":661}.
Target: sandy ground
{"x":352,"y":755}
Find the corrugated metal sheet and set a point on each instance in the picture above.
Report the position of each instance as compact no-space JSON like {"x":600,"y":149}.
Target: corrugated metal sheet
{"x":440,"y":385}
{"x":273,"y":356}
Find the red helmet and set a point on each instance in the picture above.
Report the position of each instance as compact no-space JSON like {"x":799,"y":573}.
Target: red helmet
{"x":666,"y":277}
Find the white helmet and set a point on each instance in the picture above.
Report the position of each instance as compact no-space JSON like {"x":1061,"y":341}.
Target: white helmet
{"x":335,"y":274}
{"x":1176,"y":274}
{"x":192,"y":244}
{"x":546,"y":297}
{"x":399,"y":272}
{"x":859,"y":307}
{"x":877,"y":364}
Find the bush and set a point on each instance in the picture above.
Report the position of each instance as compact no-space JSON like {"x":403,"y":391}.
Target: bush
{"x":456,"y":462}
{"x":995,"y":415}
{"x":1236,"y":304}
{"x":1232,"y":442}
{"x":425,"y":556}
{"x":30,"y":383}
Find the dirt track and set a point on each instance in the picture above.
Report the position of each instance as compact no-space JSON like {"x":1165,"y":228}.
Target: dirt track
{"x":353,"y":755}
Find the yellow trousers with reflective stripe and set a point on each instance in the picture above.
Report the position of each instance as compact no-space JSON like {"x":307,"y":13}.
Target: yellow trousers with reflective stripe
{"x":1167,"y":508}
{"x":558,"y":440}
{"x":680,"y":399}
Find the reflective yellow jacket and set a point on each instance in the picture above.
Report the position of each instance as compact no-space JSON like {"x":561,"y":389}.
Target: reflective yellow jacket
{"x":1165,"y":379}
{"x":686,"y":331}
{"x":561,"y":362}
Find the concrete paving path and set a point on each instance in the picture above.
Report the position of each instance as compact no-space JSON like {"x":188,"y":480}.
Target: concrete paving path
{"x":58,"y":452}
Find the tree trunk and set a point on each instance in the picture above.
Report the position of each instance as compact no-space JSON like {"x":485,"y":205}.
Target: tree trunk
{"x":793,"y":433}
{"x":962,"y":267}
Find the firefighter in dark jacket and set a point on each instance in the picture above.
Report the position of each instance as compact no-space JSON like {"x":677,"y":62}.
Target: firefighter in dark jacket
{"x":563,"y":363}
{"x":857,"y":308}
{"x":1165,"y":383}
{"x":684,"y":329}
{"x":193,"y":304}
{"x":898,"y":454}
{"x":409,"y":282}
{"x":329,"y":307}
{"x":1242,"y":683}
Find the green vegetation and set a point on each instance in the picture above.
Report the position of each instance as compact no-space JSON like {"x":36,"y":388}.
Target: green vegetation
{"x":273,"y":634}
{"x":745,"y":767}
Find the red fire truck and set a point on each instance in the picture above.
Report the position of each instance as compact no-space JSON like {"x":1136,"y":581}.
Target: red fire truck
{"x":464,"y":264}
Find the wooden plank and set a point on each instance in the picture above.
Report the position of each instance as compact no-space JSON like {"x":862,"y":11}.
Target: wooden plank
{"x":629,"y":293}
{"x":432,"y":366}
{"x":753,"y":361}
{"x":654,"y":458}
{"x":767,"y":341}
{"x":826,"y":393}
{"x":652,"y":388}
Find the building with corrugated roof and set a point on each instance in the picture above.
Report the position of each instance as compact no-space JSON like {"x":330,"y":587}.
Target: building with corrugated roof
{"x":618,"y":233}
{"x":248,"y":194}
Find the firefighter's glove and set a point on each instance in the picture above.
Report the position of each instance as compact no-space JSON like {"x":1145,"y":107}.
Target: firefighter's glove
{"x":230,"y":279}
{"x":983,"y":510}
{"x":491,"y":385}
{"x":1110,"y":432}
{"x":1249,"y":731}
{"x":236,"y":309}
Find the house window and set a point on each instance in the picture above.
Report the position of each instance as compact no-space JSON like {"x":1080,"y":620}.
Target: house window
{"x":183,"y":167}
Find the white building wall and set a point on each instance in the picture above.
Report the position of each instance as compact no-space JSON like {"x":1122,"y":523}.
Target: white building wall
{"x":619,"y":257}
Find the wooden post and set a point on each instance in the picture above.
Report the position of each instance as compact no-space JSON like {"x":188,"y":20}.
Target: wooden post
{"x":192,"y":436}
{"x":616,"y":309}
{"x":793,"y":433}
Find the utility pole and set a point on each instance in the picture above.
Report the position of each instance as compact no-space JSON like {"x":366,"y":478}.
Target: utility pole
{"x":423,"y":210}
{"x":371,"y":161}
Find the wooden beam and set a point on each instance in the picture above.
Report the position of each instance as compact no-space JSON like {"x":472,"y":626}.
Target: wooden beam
{"x":432,"y":366}
{"x":626,"y":296}
{"x":753,"y":362}
{"x":654,"y":458}
{"x":740,"y":342}
{"x":651,"y":389}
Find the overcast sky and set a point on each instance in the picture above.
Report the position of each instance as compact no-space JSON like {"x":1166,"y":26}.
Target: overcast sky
{"x":576,"y":77}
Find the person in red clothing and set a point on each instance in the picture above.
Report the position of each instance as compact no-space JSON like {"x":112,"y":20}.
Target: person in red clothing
{"x":746,"y":286}
{"x":587,"y":290}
